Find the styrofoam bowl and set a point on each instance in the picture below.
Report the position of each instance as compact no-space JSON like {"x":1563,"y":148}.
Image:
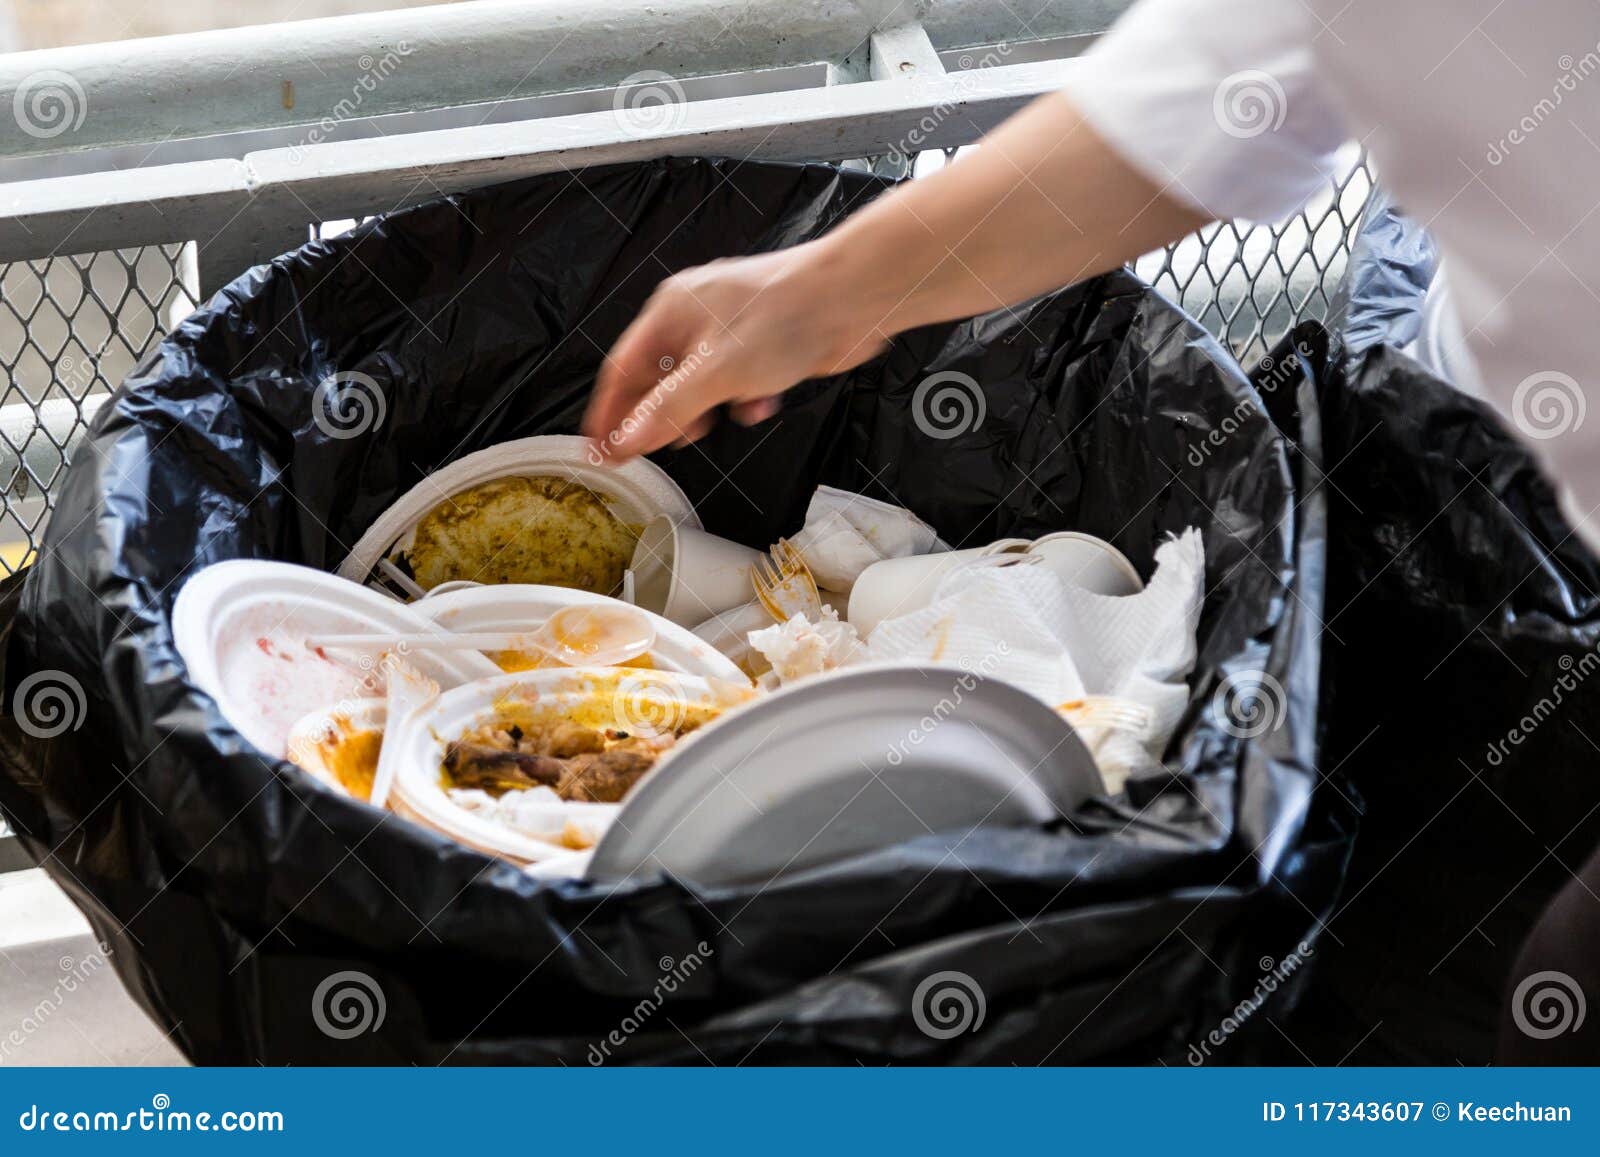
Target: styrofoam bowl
{"x":308,"y":736}
{"x":241,"y":627}
{"x":419,"y":791}
{"x":638,"y":491}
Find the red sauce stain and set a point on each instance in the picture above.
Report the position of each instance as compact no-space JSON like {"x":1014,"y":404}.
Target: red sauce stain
{"x":272,"y":652}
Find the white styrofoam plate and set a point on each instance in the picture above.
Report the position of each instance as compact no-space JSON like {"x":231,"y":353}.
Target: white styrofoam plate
{"x":241,"y":627}
{"x":308,"y":737}
{"x":419,"y":789}
{"x":843,"y":764}
{"x":638,"y":489}
{"x":524,"y":606}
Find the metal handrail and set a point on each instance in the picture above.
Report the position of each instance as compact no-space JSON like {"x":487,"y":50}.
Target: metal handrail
{"x":485,"y":52}
{"x":272,"y":128}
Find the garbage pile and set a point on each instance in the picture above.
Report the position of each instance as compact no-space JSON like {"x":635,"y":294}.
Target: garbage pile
{"x":230,"y":884}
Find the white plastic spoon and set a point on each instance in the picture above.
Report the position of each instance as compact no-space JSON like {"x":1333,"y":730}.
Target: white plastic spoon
{"x":582,"y":636}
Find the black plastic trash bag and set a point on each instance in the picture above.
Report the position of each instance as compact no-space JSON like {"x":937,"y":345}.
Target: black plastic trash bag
{"x":240,"y":898}
{"x":1464,"y":707}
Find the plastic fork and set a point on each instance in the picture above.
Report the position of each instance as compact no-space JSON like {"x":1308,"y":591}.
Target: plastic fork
{"x":785,"y":585}
{"x":1109,"y":713}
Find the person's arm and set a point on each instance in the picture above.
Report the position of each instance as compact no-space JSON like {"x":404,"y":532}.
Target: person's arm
{"x":1044,"y":202}
{"x":1188,"y":110}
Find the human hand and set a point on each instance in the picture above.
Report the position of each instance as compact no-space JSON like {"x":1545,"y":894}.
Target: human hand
{"x":737,"y":332}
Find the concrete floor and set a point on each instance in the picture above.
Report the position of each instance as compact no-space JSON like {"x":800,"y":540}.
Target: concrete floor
{"x":60,"y":1000}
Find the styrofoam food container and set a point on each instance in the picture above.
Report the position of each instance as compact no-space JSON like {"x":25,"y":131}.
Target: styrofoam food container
{"x":524,"y":606}
{"x":241,"y":627}
{"x":419,"y":790}
{"x":1082,"y":560}
{"x":639,"y":490}
{"x":307,"y":736}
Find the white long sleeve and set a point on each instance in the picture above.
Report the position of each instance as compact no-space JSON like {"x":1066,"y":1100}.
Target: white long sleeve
{"x":1217,"y":101}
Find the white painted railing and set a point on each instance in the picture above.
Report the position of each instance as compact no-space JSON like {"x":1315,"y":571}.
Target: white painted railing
{"x":238,"y":139}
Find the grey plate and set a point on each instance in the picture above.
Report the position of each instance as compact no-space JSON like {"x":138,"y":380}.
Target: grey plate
{"x":846,"y":764}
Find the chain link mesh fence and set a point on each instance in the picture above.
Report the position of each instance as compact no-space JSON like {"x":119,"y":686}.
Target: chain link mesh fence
{"x":1251,"y":286}
{"x":71,"y":328}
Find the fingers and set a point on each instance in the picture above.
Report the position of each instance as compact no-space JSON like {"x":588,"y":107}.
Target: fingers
{"x":676,"y":409}
{"x":754,"y":413}
{"x":630,"y":371}
{"x":694,"y":431}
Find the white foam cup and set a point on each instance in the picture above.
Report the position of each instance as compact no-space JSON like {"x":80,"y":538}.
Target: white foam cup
{"x":1082,"y":560}
{"x":687,"y":575}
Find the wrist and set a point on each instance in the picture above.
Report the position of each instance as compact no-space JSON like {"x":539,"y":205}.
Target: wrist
{"x":857,"y":285}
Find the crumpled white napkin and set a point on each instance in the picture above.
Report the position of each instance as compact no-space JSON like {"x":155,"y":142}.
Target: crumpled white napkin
{"x":1062,"y":643}
{"x":799,"y":647}
{"x":1004,"y":622}
{"x":1141,"y":648}
{"x":846,"y":533}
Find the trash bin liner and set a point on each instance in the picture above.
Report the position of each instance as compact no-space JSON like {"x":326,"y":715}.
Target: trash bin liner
{"x":261,"y":918}
{"x":1464,"y":705}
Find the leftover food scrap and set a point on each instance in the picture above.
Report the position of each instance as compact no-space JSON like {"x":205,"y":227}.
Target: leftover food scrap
{"x":579,"y":763}
{"x":536,"y":529}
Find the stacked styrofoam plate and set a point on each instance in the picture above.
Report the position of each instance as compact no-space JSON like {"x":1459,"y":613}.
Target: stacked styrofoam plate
{"x":600,"y":696}
{"x":242,"y":626}
{"x":518,"y":607}
{"x":637,"y":491}
{"x":840,"y":765}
